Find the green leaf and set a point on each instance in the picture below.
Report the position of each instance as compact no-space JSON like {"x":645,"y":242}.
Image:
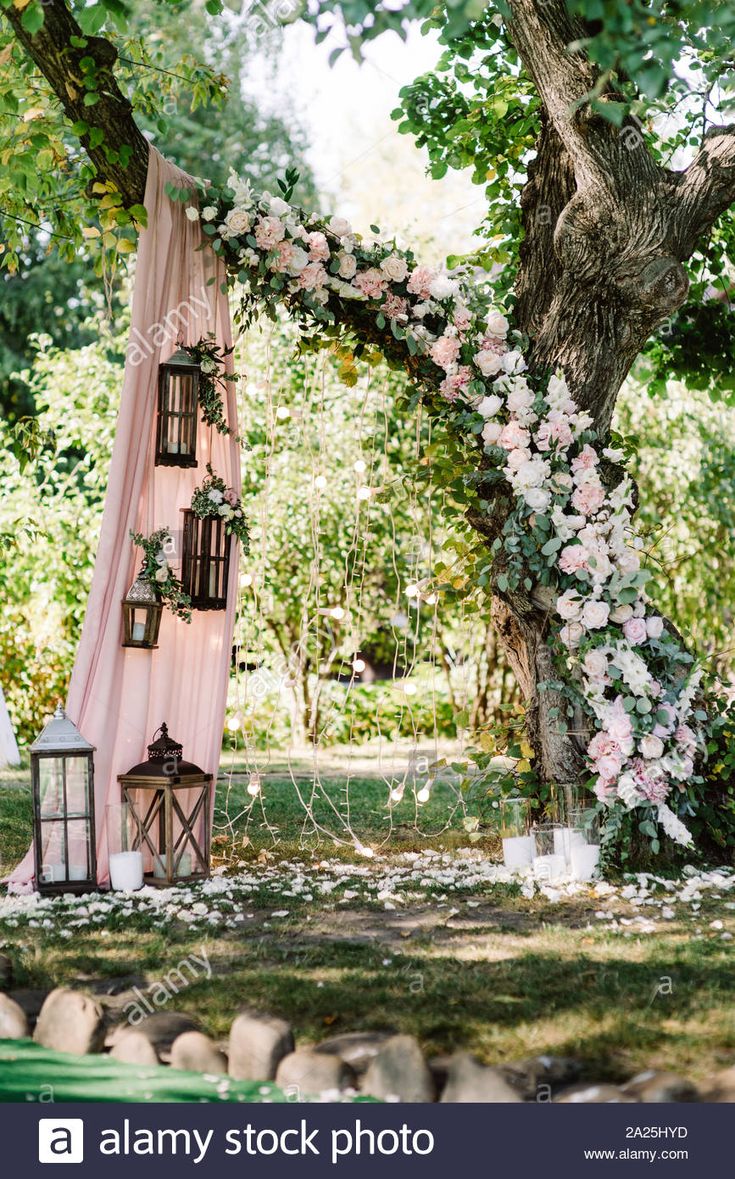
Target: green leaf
{"x":32,"y":18}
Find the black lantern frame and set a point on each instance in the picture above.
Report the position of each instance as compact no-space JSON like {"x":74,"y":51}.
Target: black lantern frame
{"x":178,"y":411}
{"x":205,"y":560}
{"x":167,"y":798}
{"x":141,"y":610}
{"x":62,"y":784}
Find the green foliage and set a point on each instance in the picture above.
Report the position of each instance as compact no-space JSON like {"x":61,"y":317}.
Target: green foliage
{"x":159,"y":574}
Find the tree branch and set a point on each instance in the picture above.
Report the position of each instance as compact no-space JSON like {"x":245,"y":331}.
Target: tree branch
{"x":705,"y":189}
{"x":121,"y":158}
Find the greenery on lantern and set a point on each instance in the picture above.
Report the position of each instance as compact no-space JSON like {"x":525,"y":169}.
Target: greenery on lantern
{"x":210,"y":358}
{"x":215,"y":499}
{"x":158,"y":572}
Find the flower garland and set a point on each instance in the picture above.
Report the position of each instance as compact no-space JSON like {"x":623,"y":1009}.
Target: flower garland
{"x":568,"y":529}
{"x":157,"y":570}
{"x":215,"y":499}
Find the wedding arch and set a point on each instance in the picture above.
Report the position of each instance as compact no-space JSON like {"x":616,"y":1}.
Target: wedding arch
{"x":614,"y":697}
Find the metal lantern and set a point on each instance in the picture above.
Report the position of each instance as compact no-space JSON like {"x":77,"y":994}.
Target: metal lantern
{"x":169,"y":808}
{"x":62,"y":780}
{"x":141,"y":615}
{"x":178,"y":411}
{"x":205,"y":561}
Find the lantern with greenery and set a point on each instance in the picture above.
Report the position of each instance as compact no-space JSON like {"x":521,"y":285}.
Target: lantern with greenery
{"x":141,"y":615}
{"x":178,"y":411}
{"x":215,"y":516}
{"x":169,"y":807}
{"x":62,"y":782}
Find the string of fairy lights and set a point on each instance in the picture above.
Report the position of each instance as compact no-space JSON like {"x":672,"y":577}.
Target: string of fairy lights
{"x":332,"y":625}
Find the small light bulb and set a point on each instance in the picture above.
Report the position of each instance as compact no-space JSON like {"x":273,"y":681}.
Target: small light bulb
{"x":412,"y":591}
{"x":396,"y":793}
{"x":360,"y":467}
{"x":337,"y":613}
{"x":431,"y":599}
{"x":233,"y":724}
{"x":254,"y":785}
{"x":283,"y":412}
{"x":364,"y":493}
{"x":409,"y":689}
{"x":246,"y":579}
{"x":320,"y":482}
{"x":358,"y":665}
{"x":423,"y":795}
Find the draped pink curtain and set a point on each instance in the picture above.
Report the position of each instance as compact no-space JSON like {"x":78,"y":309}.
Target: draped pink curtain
{"x":118,"y":697}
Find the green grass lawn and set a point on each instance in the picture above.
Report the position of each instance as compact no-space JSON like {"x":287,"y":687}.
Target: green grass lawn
{"x":458,"y":964}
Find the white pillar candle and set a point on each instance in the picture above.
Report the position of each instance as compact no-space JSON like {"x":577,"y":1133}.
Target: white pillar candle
{"x":585,"y":858}
{"x":184,"y":868}
{"x":78,"y":872}
{"x":159,"y":868}
{"x":138,"y":631}
{"x":518,"y":851}
{"x":213,"y":581}
{"x":126,"y":871}
{"x":549,"y":868}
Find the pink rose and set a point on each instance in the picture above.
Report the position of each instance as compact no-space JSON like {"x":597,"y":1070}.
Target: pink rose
{"x":573,"y":558}
{"x":318,"y":247}
{"x":231,"y":498}
{"x":312,"y":277}
{"x":513,"y":436}
{"x":618,"y":724}
{"x":269,"y":232}
{"x":491,"y":432}
{"x":393,"y":307}
{"x":595,"y":664}
{"x":488,"y":362}
{"x":455,"y":385}
{"x":571,"y":634}
{"x":420,"y":281}
{"x":371,"y":283}
{"x":585,"y":460}
{"x":589,"y":498}
{"x":462,"y":320}
{"x":609,"y":766}
{"x":557,"y":433}
{"x":445,"y":351}
{"x":635,"y":631}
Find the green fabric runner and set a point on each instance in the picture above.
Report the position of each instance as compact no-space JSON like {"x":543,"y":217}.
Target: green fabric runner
{"x":31,"y":1073}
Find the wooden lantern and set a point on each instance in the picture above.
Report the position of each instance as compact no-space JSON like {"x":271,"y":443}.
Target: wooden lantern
{"x":178,"y":411}
{"x":62,"y":782}
{"x":169,"y":808}
{"x":141,"y":615}
{"x":205,"y":561}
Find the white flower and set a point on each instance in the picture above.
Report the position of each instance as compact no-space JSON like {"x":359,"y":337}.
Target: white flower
{"x":395,"y":267}
{"x":278,"y":206}
{"x":443,"y":287}
{"x":490,"y":405}
{"x":192,"y":213}
{"x":569,"y":605}
{"x":621,"y":613}
{"x":339,"y":226}
{"x":215,"y":496}
{"x":209,"y":212}
{"x":628,"y":791}
{"x":489,"y":363}
{"x":491,"y":431}
{"x":207,"y":365}
{"x":347,"y":266}
{"x":243,"y":193}
{"x":161,"y":574}
{"x":673,"y":827}
{"x":651,"y":746}
{"x":537,"y":498}
{"x":513,"y":362}
{"x":595,"y":614}
{"x":237,"y":222}
{"x":497,"y":324}
{"x":654,"y":626}
{"x":226,"y":512}
{"x":298,"y":261}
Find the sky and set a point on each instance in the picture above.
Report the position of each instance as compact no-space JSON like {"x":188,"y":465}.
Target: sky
{"x":369,"y":172}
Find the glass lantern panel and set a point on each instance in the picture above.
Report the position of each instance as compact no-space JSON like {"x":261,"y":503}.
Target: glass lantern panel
{"x":137,"y":632}
{"x":78,"y":839}
{"x":77,"y":786}
{"x":53,"y":852}
{"x":51,"y":786}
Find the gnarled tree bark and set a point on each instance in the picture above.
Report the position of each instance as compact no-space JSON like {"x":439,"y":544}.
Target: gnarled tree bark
{"x":606,"y":234}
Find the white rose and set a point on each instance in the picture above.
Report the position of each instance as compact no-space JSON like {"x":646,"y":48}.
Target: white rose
{"x":654,"y":626}
{"x":621,"y":613}
{"x":491,"y":431}
{"x":226,"y":512}
{"x":571,"y":634}
{"x":651,"y":746}
{"x":569,"y":605}
{"x":394,"y":267}
{"x":497,"y":324}
{"x":595,"y":614}
{"x":347,"y":266}
{"x":161,"y":574}
{"x":339,"y":226}
{"x":192,"y":213}
{"x":490,"y":405}
{"x":489,"y":363}
{"x":537,"y":498}
{"x":237,"y":222}
{"x":443,"y":287}
{"x":513,"y":362}
{"x":299,"y":260}
{"x":279,"y":207}
{"x":595,"y":664}
{"x":215,"y":496}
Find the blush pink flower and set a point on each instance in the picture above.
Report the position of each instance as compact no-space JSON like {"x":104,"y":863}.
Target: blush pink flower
{"x":589,"y":498}
{"x":573,"y":558}
{"x":269,"y":232}
{"x":514,"y":435}
{"x":456,"y":384}
{"x":231,"y":498}
{"x":585,"y":460}
{"x":635,"y":631}
{"x":370,"y":283}
{"x":445,"y":351}
{"x":318,"y":247}
{"x":394,"y":307}
{"x":312,"y":277}
{"x":420,"y":281}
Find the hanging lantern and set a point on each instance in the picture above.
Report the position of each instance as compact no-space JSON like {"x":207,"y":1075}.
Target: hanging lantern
{"x":141,"y":615}
{"x":169,"y":808}
{"x":178,"y":411}
{"x":62,"y":782}
{"x":205,"y":561}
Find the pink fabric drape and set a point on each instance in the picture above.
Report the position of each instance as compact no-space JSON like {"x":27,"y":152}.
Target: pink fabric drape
{"x":118,"y":697}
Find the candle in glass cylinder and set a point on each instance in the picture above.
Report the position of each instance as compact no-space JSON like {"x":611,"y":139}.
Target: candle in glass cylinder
{"x":585,"y":858}
{"x":126,"y":871}
{"x":138,"y":631}
{"x":549,"y":867}
{"x":518,"y":851}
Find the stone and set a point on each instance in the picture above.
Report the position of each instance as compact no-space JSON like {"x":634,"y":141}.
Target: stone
{"x":470,"y":1081}
{"x":721,"y":1086}
{"x":534,"y":1077}
{"x":654,"y":1086}
{"x":356,"y":1048}
{"x":134,"y":1048}
{"x":594,"y":1095}
{"x":6,"y":972}
{"x":70,"y":1021}
{"x":399,"y":1071}
{"x":311,"y":1073}
{"x":198,"y":1054}
{"x":13,"y":1022}
{"x":258,"y":1044}
{"x":160,"y":1029}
